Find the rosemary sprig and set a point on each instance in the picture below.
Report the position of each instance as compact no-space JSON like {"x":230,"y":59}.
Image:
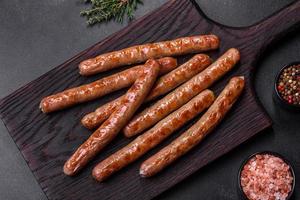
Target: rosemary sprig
{"x":105,"y":10}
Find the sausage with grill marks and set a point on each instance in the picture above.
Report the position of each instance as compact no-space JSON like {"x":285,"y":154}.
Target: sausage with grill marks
{"x":141,"y":53}
{"x":118,"y":119}
{"x":100,"y":87}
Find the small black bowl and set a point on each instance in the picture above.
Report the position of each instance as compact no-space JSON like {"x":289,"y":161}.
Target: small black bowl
{"x":241,"y":192}
{"x":277,"y":97}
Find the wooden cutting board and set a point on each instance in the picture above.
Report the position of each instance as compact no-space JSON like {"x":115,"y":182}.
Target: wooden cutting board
{"x":46,"y":141}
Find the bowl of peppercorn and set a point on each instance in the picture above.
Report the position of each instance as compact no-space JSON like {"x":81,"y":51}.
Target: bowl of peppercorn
{"x":287,"y":87}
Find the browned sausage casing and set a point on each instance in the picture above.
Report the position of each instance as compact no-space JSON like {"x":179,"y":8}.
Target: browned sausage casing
{"x":197,"y":132}
{"x":162,"y":86}
{"x":141,"y":53}
{"x":100,"y":87}
{"x":182,"y":94}
{"x":154,"y":136}
{"x":179,"y":75}
{"x":112,"y":126}
{"x":95,"y":119}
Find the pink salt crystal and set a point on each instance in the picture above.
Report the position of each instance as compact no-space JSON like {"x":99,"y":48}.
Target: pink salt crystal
{"x":266,"y":177}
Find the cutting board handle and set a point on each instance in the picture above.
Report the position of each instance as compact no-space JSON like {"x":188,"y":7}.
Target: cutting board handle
{"x":277,"y":25}
{"x":265,"y":32}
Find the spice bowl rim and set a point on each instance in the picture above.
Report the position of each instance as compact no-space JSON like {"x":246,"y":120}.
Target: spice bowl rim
{"x":291,"y":167}
{"x":283,"y":101}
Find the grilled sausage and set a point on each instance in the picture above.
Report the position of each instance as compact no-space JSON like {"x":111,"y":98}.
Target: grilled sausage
{"x":153,"y":137}
{"x":141,"y":53}
{"x":182,"y":94}
{"x":112,"y":126}
{"x":163,"y":85}
{"x":197,"y":132}
{"x":100,"y":87}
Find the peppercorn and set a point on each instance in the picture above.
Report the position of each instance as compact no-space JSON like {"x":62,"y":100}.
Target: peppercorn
{"x":288,"y":84}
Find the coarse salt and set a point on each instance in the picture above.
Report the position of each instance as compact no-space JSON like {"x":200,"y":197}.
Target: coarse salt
{"x":266,"y":177}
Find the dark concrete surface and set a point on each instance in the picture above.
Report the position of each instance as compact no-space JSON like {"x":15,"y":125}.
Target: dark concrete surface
{"x":36,"y":36}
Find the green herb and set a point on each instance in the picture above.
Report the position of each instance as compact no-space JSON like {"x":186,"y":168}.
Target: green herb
{"x":105,"y":10}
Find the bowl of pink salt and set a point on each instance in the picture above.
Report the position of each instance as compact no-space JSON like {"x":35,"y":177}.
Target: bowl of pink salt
{"x":266,"y":176}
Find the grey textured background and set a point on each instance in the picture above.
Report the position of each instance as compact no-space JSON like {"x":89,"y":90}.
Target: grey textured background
{"x":36,"y":36}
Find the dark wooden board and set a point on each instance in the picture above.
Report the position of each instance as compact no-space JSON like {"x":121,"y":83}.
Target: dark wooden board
{"x":46,"y":141}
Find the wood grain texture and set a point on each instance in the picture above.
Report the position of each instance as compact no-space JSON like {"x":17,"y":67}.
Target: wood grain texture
{"x":47,"y":141}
